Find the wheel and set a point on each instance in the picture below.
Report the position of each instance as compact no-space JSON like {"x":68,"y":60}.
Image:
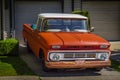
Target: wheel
{"x":45,"y":69}
{"x":28,"y":48}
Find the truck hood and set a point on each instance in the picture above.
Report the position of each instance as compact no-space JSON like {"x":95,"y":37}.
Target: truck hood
{"x":72,"y":38}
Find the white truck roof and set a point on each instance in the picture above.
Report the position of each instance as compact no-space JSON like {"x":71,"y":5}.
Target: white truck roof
{"x":61,"y":15}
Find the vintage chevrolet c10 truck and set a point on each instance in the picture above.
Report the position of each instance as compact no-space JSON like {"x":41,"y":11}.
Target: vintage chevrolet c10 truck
{"x":63,"y":41}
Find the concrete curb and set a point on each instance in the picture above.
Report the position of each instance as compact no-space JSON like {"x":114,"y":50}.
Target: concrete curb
{"x":20,"y":78}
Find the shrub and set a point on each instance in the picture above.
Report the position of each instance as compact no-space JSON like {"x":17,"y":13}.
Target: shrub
{"x":84,"y":13}
{"x":9,"y":47}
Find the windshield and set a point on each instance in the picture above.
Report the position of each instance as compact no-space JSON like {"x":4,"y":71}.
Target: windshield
{"x":66,"y":25}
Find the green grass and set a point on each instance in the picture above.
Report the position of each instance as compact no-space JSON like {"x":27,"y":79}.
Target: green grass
{"x":115,"y":65}
{"x":13,"y":66}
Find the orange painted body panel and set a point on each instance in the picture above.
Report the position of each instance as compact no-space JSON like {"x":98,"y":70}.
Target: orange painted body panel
{"x":83,"y":40}
{"x":73,"y":38}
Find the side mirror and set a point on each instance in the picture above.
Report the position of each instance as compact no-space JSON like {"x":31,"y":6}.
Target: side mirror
{"x":92,"y":29}
{"x":33,"y":26}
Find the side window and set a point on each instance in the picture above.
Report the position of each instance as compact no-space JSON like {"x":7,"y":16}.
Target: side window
{"x":39,"y":23}
{"x":45,"y":25}
{"x":33,"y":26}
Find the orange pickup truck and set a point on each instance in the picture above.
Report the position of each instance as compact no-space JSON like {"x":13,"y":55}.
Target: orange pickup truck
{"x":63,"y":41}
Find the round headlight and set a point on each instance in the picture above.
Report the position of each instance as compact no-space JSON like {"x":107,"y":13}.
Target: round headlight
{"x":103,"y":56}
{"x":55,"y":57}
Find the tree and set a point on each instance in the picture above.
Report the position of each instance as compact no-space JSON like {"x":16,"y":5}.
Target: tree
{"x":84,"y":13}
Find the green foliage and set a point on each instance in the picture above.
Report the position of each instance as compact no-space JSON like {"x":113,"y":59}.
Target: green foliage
{"x":84,"y":13}
{"x":9,"y":46}
{"x":115,"y":65}
{"x":13,"y":66}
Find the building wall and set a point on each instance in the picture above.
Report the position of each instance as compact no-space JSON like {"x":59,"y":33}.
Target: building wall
{"x":7,"y":24}
{"x":105,"y":17}
{"x":27,"y":12}
{"x":67,"y":6}
{"x":77,"y":4}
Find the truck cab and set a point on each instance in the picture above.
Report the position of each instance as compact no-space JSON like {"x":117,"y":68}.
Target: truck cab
{"x":64,"y":24}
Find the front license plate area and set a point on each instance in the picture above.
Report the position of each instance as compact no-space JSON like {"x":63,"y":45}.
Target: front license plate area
{"x":80,"y":61}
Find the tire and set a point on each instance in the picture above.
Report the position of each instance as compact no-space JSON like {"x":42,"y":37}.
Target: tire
{"x":28,"y":48}
{"x":45,"y":69}
{"x":97,"y":69}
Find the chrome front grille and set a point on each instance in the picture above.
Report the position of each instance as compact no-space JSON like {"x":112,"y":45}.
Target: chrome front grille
{"x":66,"y":56}
{"x":80,"y":55}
